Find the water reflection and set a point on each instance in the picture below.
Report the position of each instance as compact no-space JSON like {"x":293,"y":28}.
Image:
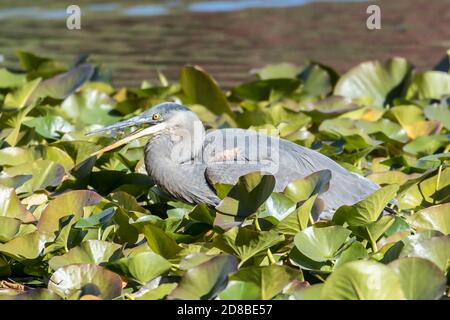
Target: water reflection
{"x":228,"y":38}
{"x":162,"y":8}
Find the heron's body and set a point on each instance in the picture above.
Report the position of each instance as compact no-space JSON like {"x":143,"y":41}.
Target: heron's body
{"x":186,"y":163}
{"x":192,"y":180}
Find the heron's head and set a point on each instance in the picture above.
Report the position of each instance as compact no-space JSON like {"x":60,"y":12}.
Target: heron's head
{"x":164,"y":116}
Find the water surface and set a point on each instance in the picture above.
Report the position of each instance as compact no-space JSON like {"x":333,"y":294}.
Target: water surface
{"x":228,"y":38}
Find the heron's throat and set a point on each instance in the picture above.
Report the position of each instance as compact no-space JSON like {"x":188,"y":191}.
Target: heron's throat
{"x":176,"y":144}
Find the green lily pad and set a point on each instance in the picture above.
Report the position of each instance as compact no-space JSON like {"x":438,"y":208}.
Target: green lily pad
{"x":412,"y":119}
{"x":90,"y":251}
{"x":77,"y":280}
{"x":89,"y":107}
{"x":11,"y":207}
{"x":15,"y":122}
{"x":19,"y":98}
{"x":302,"y":189}
{"x":9,"y":227}
{"x":429,"y":85}
{"x":363,"y":280}
{"x":262,"y":90}
{"x":200,"y":88}
{"x":373,"y":81}
{"x":329,"y":107}
{"x":368,"y":210}
{"x":63,"y":238}
{"x":316,"y":81}
{"x":154,"y":291}
{"x":268,"y":282}
{"x":438,"y":112}
{"x":279,"y":71}
{"x":432,"y":218}
{"x":426,"y":145}
{"x":420,"y":279}
{"x":313,"y":292}
{"x":299,"y":259}
{"x":37,"y":66}
{"x":374,"y":230}
{"x":240,"y":290}
{"x":13,"y":156}
{"x":25,"y":247}
{"x":297,"y":220}
{"x":64,"y":84}
{"x":428,"y":189}
{"x":251,"y":191}
{"x":321,"y":244}
{"x":206,"y":280}
{"x":160,"y":242}
{"x":356,"y":251}
{"x":49,"y":126}
{"x":11,"y":80}
{"x":246,"y":243}
{"x":388,"y":177}
{"x":44,"y":174}
{"x":142,"y":267}
{"x":436,"y":249}
{"x":278,"y":206}
{"x":96,"y":220}
{"x":64,"y":205}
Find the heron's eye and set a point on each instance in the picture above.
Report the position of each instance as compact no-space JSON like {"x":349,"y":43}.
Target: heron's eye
{"x":156,"y":116}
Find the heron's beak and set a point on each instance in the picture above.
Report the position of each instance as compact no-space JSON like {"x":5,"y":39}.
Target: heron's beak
{"x":135,"y":135}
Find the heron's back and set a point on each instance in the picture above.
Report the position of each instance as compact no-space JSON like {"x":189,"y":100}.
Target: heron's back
{"x":231,"y":153}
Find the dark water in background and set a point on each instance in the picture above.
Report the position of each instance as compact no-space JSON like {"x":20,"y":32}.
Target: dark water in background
{"x":228,"y":38}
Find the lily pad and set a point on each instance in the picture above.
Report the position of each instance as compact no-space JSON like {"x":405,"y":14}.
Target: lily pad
{"x":321,"y":244}
{"x":44,"y":173}
{"x":268,"y":282}
{"x":64,"y":205}
{"x":206,"y":280}
{"x":25,"y":247}
{"x":368,"y":210}
{"x":240,"y":290}
{"x":90,"y":251}
{"x":77,"y":280}
{"x":436,"y":249}
{"x":432,"y":218}
{"x":11,"y":207}
{"x":160,"y":242}
{"x":64,"y":84}
{"x":302,"y":189}
{"x":142,"y":267}
{"x":201,"y":88}
{"x":373,"y":81}
{"x":420,"y":279}
{"x":297,"y":220}
{"x":245,"y":243}
{"x":363,"y":280}
{"x":429,"y":85}
{"x":251,"y":191}
{"x":89,"y":107}
{"x":9,"y":227}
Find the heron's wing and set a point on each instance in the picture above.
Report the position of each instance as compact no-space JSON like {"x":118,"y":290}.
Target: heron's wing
{"x":231,"y":153}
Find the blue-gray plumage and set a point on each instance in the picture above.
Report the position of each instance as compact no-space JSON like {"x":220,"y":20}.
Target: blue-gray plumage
{"x":186,"y":162}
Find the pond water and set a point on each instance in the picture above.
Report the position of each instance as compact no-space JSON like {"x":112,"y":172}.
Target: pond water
{"x":155,"y":8}
{"x":227,"y":37}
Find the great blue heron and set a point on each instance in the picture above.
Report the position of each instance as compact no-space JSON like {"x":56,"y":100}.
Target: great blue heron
{"x":186,"y":162}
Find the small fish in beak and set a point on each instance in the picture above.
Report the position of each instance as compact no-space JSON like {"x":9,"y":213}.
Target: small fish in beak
{"x":134,"y":121}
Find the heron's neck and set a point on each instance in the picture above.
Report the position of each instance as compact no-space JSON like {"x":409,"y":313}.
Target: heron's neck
{"x":168,"y":159}
{"x":174,"y":146}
